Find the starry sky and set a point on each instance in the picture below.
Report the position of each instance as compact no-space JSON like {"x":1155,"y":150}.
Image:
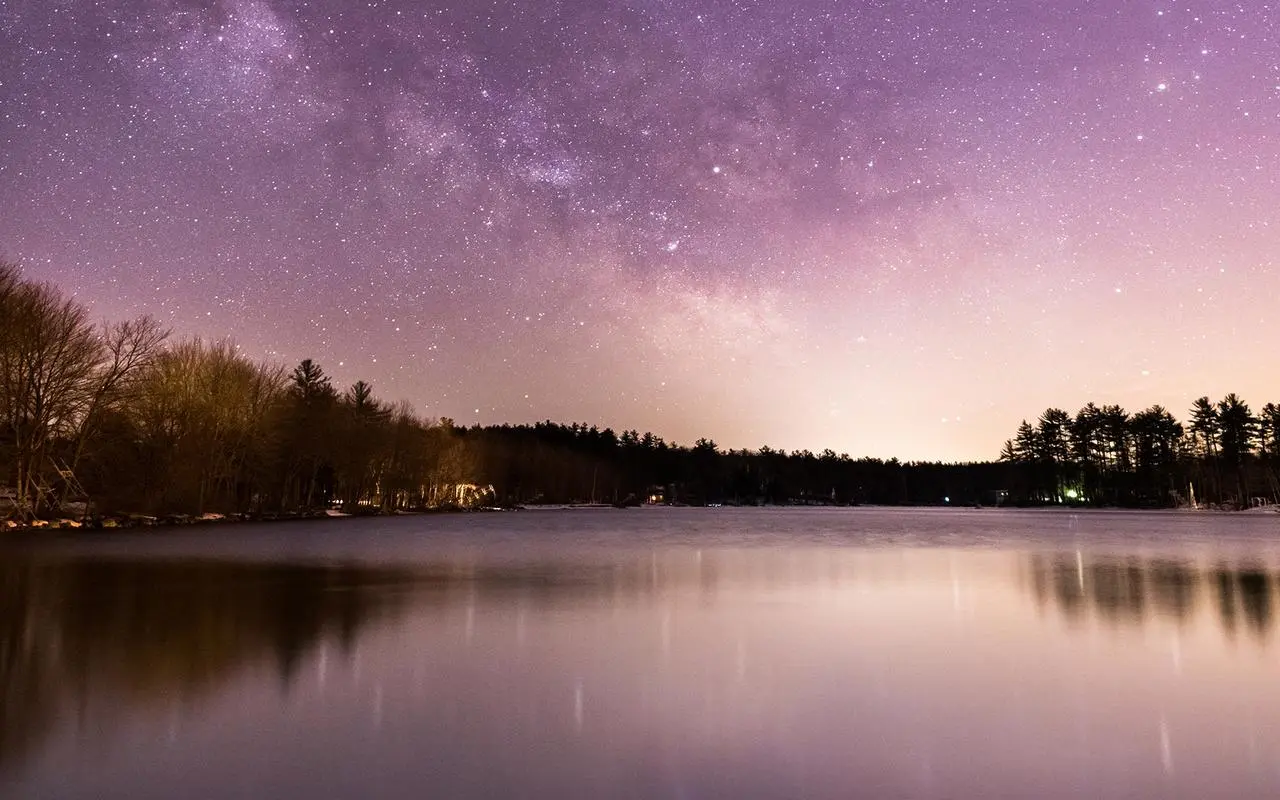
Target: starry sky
{"x":891,"y":227}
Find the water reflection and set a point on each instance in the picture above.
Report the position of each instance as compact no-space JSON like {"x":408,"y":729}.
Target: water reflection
{"x":1134,"y":590}
{"x":88,"y":639}
{"x":159,"y":633}
{"x":576,"y":668}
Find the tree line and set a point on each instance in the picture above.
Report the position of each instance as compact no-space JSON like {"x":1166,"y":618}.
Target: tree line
{"x":550,"y":462}
{"x":126,"y":419}
{"x":1225,"y":455}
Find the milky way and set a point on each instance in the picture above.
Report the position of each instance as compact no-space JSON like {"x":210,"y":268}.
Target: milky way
{"x":890,"y":228}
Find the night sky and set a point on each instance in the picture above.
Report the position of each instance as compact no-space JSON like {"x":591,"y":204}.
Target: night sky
{"x":890,"y":228}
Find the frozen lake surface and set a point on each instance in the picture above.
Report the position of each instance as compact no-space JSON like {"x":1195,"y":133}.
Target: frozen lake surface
{"x":648,"y":653}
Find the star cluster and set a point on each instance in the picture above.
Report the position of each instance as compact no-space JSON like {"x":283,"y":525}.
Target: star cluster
{"x":892,"y":227}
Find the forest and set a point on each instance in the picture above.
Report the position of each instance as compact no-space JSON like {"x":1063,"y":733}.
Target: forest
{"x":1225,"y":456}
{"x":121,"y":419}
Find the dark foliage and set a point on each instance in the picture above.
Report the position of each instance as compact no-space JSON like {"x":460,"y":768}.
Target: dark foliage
{"x":1225,"y":456}
{"x":119,"y":419}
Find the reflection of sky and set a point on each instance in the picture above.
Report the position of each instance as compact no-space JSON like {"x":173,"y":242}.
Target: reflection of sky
{"x":816,"y":671}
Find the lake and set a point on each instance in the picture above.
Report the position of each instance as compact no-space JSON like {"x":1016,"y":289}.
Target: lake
{"x":648,"y":653}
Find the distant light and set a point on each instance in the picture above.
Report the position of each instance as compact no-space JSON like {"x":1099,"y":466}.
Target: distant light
{"x":947,"y":499}
{"x":716,"y":170}
{"x":1160,"y":87}
{"x":1073,"y":494}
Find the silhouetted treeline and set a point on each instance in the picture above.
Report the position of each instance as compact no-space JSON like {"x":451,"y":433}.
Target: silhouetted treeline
{"x":124,"y":419}
{"x":1226,"y":455}
{"x":550,"y":462}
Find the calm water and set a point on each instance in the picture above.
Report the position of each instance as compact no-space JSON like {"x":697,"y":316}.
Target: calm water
{"x":648,"y":653}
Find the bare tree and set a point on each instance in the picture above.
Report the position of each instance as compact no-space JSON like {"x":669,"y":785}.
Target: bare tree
{"x":49,"y":354}
{"x":202,"y":411}
{"x":129,"y":348}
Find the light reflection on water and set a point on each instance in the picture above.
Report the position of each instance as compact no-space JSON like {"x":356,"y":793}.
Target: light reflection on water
{"x":646,"y":654}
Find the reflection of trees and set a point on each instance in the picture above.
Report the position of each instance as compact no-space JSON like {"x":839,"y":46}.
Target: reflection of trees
{"x":27,"y":677}
{"x":1132,"y":590}
{"x":1224,"y":583}
{"x":1173,"y":585}
{"x":156,"y":625}
{"x":1244,"y":592}
{"x":83,"y":639}
{"x":1067,"y":589}
{"x":134,"y":635}
{"x":151,"y":632}
{"x":1255,"y":599}
{"x":1118,"y":591}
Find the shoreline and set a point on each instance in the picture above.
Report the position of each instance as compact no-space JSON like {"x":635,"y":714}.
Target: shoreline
{"x":135,"y":522}
{"x":132,"y":522}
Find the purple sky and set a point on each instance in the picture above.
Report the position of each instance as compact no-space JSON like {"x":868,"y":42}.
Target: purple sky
{"x":891,"y":228}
